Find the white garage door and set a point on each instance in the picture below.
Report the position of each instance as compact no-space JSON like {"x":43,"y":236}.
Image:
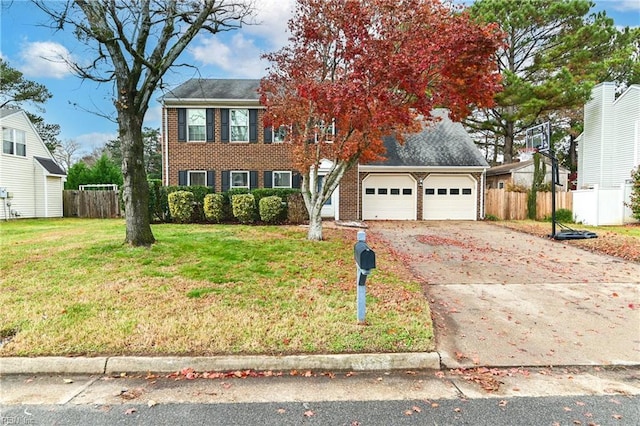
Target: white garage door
{"x":449,"y":197}
{"x":389,"y":197}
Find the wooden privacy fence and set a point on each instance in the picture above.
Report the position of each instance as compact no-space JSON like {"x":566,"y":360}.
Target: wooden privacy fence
{"x":90,"y":204}
{"x":513,"y":205}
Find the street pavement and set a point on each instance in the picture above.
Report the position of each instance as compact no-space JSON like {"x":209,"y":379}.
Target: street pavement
{"x":512,"y":332}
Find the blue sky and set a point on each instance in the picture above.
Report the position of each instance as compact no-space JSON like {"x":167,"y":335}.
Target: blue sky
{"x":26,"y":44}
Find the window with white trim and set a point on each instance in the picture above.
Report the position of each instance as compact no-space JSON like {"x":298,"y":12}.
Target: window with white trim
{"x":196,"y":125}
{"x":282,"y":179}
{"x":239,"y":125}
{"x":14,"y":142}
{"x":239,"y":180}
{"x":326,"y":131}
{"x":279,"y":134}
{"x":197,"y":178}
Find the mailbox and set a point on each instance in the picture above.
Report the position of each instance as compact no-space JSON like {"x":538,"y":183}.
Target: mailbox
{"x":365,"y":257}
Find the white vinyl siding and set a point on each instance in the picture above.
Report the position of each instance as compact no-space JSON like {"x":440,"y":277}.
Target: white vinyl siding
{"x":24,"y":177}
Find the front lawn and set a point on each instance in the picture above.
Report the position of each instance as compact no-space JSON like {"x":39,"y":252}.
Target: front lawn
{"x":619,"y":241}
{"x":70,"y":287}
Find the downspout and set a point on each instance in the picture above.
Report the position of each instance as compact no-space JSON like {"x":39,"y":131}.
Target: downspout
{"x":482,"y":191}
{"x":46,"y":196}
{"x":166,"y":146}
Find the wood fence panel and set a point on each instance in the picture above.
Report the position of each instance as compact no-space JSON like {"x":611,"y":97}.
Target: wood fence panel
{"x":507,"y":205}
{"x":91,"y":204}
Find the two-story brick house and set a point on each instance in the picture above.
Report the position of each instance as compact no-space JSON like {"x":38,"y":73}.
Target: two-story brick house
{"x":213,"y":134}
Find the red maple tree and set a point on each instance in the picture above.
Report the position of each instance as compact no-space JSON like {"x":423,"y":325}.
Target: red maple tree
{"x":355,"y":71}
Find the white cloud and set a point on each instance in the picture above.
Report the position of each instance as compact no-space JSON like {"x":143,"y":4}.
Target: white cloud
{"x":91,"y":141}
{"x":625,"y":5}
{"x":153,"y":117}
{"x":44,"y":59}
{"x":272,"y":19}
{"x":239,"y":57}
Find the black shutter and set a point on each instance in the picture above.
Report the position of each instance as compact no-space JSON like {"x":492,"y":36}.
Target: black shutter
{"x":210,"y":125}
{"x":182,"y":178}
{"x":268,"y":179}
{"x":211,"y":179}
{"x":224,"y":124}
{"x":296,"y":180}
{"x":253,"y":179}
{"x":268,"y":134}
{"x":253,"y":125}
{"x":182,"y":125}
{"x":225,"y":180}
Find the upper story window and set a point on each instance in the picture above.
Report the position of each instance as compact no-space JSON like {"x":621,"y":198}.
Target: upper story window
{"x":196,"y":125}
{"x":326,"y":131}
{"x":239,"y":125}
{"x":280,"y":133}
{"x":14,"y":142}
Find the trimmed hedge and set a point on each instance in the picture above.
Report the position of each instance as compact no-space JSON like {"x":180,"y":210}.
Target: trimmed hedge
{"x":214,"y":207}
{"x":181,"y":205}
{"x":293,"y":209}
{"x":270,"y":209}
{"x":244,"y":207}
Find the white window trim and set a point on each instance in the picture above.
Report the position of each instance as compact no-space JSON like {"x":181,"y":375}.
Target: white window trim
{"x":286,"y":128}
{"x":332,"y":133}
{"x":196,"y":171}
{"x":14,"y":142}
{"x":273,"y":178}
{"x":231,"y":125}
{"x":204,"y":134}
{"x":232,"y":186}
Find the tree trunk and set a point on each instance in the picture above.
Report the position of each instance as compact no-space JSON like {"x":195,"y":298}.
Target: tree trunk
{"x":508,"y":143}
{"x":315,"y":224}
{"x":135,"y":191}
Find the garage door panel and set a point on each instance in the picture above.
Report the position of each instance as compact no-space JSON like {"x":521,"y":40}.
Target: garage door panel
{"x":449,"y":197}
{"x":389,"y":197}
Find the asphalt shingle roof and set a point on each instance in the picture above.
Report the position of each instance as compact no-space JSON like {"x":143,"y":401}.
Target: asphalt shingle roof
{"x":50,"y":165}
{"x":442,"y":143}
{"x":211,"y":88}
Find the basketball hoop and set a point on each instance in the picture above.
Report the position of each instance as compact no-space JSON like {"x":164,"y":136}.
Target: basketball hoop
{"x":538,"y":139}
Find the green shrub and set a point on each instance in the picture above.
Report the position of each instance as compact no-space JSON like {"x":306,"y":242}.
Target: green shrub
{"x":270,"y":209}
{"x":491,"y":218}
{"x":634,"y":198}
{"x":296,"y":210}
{"x":562,"y":215}
{"x":158,"y":203}
{"x":244,"y":207}
{"x":181,"y":205}
{"x":214,"y":207}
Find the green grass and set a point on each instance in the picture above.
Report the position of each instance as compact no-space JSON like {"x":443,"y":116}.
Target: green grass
{"x":71,"y":287}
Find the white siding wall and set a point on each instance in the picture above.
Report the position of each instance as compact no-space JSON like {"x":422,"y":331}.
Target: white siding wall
{"x":590,"y":152}
{"x":54,"y":196}
{"x":627,"y":144}
{"x":17,"y":173}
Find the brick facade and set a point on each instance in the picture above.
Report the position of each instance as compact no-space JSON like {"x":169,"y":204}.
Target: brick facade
{"x":218,"y":156}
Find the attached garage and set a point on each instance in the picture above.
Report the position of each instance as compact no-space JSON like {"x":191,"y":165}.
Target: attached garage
{"x":449,"y":197}
{"x":389,"y":197}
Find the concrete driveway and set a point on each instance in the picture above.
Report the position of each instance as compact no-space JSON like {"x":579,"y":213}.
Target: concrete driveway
{"x":504,"y":298}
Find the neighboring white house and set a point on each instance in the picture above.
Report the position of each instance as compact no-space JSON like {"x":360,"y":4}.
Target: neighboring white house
{"x":31,"y":182}
{"x":608,"y":150}
{"x":521,"y":174}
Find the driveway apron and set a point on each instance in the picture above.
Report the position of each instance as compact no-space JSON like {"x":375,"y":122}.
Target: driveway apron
{"x":503,"y":298}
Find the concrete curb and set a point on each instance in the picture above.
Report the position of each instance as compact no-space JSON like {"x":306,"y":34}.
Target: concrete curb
{"x":132,"y":364}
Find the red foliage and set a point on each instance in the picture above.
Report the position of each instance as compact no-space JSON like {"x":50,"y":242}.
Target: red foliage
{"x":372,"y":67}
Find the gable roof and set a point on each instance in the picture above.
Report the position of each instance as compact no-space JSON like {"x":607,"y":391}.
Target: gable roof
{"x":443,"y":143}
{"x":50,"y":166}
{"x":215,"y":89}
{"x":505,"y":169}
{"x":5,"y":112}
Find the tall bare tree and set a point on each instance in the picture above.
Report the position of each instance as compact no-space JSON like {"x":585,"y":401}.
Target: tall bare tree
{"x":134,"y":44}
